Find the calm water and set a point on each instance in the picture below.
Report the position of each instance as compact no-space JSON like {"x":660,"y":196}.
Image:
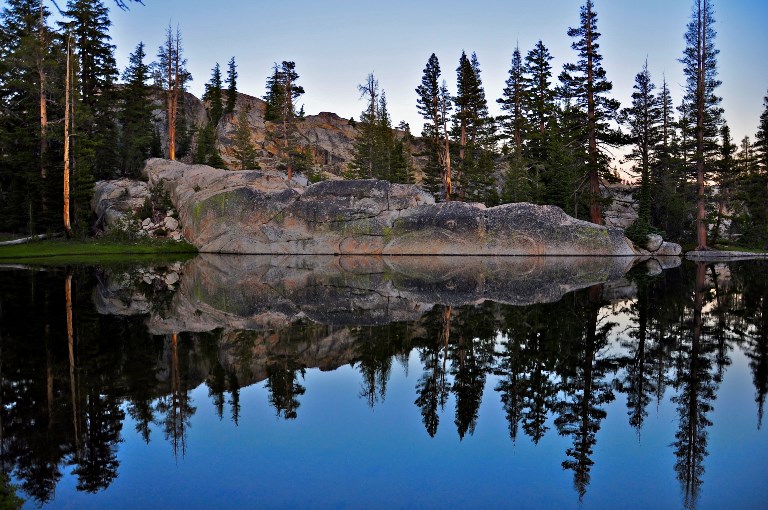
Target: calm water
{"x":253,"y":382}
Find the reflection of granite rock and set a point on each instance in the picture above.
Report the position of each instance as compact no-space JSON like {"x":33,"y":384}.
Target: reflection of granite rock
{"x":261,"y":212}
{"x":265,"y":292}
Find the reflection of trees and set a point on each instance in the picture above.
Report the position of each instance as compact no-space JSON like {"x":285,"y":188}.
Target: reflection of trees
{"x":471,"y":357}
{"x":696,"y":392}
{"x":376,"y":349}
{"x":176,"y":409}
{"x":526,"y":386}
{"x":61,"y":394}
{"x":432,"y":387}
{"x":284,"y":387}
{"x":586,"y":389}
{"x":753,"y":283}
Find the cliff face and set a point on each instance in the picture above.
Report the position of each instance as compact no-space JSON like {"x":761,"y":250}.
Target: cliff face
{"x":328,"y":138}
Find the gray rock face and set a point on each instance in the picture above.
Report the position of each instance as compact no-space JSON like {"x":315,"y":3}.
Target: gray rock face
{"x":259,"y":212}
{"x":653,"y":242}
{"x":113,"y":200}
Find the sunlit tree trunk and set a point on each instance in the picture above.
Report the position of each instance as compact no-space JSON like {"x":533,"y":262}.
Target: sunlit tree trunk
{"x":67,"y":92}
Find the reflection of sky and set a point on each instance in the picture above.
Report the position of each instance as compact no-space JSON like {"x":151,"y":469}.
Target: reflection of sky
{"x":339,"y":453}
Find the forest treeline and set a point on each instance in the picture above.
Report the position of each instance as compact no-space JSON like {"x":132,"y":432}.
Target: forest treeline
{"x":550,"y":145}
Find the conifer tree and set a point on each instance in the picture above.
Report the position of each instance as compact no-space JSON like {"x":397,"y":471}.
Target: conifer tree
{"x":243,"y":149}
{"x":434,"y":104}
{"x":473,"y":130}
{"x":701,"y":105}
{"x":512,"y":101}
{"x":31,"y":71}
{"x":588,"y":85}
{"x":365,"y":162}
{"x":173,"y":76}
{"x":282,"y":93}
{"x":213,"y":97}
{"x":761,"y":139}
{"x":136,"y":114}
{"x":231,"y":86}
{"x":644,"y":119}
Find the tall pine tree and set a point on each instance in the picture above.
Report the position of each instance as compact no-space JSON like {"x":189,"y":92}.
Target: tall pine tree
{"x":588,"y":85}
{"x":136,"y":114}
{"x":701,"y":105}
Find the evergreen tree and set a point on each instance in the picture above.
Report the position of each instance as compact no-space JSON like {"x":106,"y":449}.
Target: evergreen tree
{"x":136,"y":115}
{"x":173,"y":76}
{"x":761,"y":138}
{"x":512,"y":101}
{"x":243,"y":149}
{"x":282,"y":93}
{"x":434,"y":104}
{"x":231,"y":86}
{"x":212,"y":96}
{"x":97,"y":71}
{"x":365,"y":163}
{"x":588,"y":86}
{"x":701,"y":105}
{"x":473,"y":130}
{"x":644,"y":119}
{"x":31,"y":71}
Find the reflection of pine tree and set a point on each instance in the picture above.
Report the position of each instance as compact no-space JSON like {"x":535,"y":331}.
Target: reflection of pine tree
{"x":471,"y":359}
{"x":696,"y":391}
{"x":585,"y":389}
{"x":284,"y":387}
{"x":639,"y":382}
{"x":177,"y":407}
{"x":432,"y":386}
{"x":755,"y":302}
{"x":376,"y":348}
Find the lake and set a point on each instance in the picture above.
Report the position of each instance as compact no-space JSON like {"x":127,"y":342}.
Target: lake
{"x":402,"y":382}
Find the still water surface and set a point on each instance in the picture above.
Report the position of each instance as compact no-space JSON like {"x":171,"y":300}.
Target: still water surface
{"x":257,"y":382}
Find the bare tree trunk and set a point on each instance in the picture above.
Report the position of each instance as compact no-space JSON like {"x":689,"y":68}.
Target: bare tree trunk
{"x":447,"y":185}
{"x":43,"y":97}
{"x":67,"y":225}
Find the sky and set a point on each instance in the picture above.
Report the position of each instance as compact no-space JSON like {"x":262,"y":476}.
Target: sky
{"x":336,"y":43}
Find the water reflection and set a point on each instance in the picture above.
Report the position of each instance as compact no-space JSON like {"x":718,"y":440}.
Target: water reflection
{"x":555,"y":342}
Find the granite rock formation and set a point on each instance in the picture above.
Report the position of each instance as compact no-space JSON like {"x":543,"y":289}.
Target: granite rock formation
{"x":260,"y":212}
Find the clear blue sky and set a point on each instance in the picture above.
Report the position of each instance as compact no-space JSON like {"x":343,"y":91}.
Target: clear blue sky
{"x":336,"y":43}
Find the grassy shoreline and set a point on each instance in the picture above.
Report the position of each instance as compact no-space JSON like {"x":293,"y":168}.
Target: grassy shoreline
{"x":94,"y":250}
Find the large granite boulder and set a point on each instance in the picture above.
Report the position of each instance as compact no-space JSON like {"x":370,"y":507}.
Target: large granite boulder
{"x":261,"y":212}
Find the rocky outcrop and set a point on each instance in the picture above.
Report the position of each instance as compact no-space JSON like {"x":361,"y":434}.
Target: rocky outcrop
{"x":622,"y":211}
{"x":260,"y":212}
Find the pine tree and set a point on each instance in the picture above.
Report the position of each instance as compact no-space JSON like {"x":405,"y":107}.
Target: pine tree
{"x":761,"y":138}
{"x":644,"y":119}
{"x":365,"y":161}
{"x":172,"y":74}
{"x":701,"y":104}
{"x":89,"y":26}
{"x":243,"y":149}
{"x":282,"y":93}
{"x":231,"y":86}
{"x":212,"y":96}
{"x":725,"y":178}
{"x":539,"y":108}
{"x":434,"y":105}
{"x":473,"y":130}
{"x":31,"y":71}
{"x":589,"y":87}
{"x":136,"y":115}
{"x":512,"y":101}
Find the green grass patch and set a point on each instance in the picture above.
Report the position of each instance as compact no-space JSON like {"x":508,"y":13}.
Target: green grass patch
{"x":96,"y":251}
{"x":731,"y":247}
